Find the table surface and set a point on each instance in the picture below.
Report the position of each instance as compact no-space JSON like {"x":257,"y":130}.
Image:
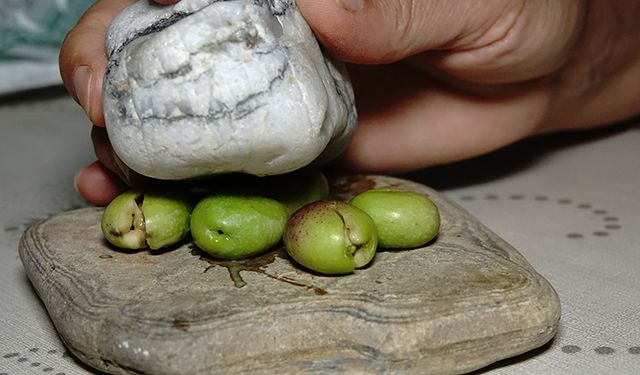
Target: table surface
{"x":569,"y":203}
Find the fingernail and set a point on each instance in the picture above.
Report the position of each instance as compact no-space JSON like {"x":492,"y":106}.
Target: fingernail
{"x":75,"y":179}
{"x":82,"y":86}
{"x":351,"y":5}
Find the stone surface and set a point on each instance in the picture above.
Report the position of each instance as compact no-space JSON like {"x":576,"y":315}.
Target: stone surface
{"x":462,"y":302}
{"x":210,"y":86}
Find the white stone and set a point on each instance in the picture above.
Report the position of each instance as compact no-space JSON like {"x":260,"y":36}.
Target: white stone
{"x":208,"y":86}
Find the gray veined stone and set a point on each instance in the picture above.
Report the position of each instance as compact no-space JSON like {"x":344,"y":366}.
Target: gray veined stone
{"x":208,"y":86}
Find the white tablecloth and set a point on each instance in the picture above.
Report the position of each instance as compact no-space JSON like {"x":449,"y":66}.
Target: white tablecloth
{"x":570,"y":204}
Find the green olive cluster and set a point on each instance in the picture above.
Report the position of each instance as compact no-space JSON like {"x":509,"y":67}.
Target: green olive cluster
{"x":240,"y":220}
{"x":234,"y":218}
{"x":335,"y":237}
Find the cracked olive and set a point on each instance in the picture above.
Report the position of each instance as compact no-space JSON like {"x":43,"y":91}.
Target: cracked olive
{"x":331,"y":237}
{"x":237,"y":226}
{"x":404,"y":219}
{"x":156,"y":218}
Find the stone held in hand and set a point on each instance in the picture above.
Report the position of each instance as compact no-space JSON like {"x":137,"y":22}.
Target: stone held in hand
{"x":207,"y":86}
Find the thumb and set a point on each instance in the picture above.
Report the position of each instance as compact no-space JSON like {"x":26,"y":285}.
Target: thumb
{"x":385,"y":31}
{"x":83,"y":56}
{"x":483,"y":41}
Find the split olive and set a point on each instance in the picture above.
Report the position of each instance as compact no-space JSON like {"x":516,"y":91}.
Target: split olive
{"x":156,"y":218}
{"x":331,"y":237}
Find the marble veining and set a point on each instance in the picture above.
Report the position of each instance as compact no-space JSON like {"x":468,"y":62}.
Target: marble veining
{"x":204,"y":87}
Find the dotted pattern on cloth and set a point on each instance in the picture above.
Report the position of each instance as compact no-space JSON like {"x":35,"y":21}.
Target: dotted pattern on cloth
{"x":35,"y":360}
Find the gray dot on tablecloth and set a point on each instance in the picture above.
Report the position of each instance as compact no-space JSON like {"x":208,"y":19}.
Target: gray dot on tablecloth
{"x":575,"y":235}
{"x":541,"y":198}
{"x":47,"y":369}
{"x":61,"y":373}
{"x":604,"y":350}
{"x":35,"y":364}
{"x":105,"y":256}
{"x":612,"y":226}
{"x":634,"y":350}
{"x":33,"y":350}
{"x":600,"y":212}
{"x":516,"y":197}
{"x":564,"y":201}
{"x":491,"y":197}
{"x":571,"y":349}
{"x":11,"y":228}
{"x":610,"y":218}
{"x":467,"y":197}
{"x":584,"y":206}
{"x":22,"y":359}
{"x":10,"y":355}
{"x":601,"y":233}
{"x":4,"y":373}
{"x":52,"y":351}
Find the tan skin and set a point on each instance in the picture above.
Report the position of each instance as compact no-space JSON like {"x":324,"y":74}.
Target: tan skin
{"x":436,"y":81}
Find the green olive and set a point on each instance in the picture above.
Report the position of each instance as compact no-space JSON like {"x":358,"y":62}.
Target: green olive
{"x":157,"y":218}
{"x":297,"y":189}
{"x":237,"y":226}
{"x":331,"y":237}
{"x":293,"y":189}
{"x":404,"y":219}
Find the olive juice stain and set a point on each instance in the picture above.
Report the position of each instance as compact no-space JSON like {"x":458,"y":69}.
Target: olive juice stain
{"x":255,"y":264}
{"x":346,"y":187}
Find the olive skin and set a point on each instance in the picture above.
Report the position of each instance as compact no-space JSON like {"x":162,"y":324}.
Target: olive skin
{"x":237,"y":226}
{"x":331,"y":237}
{"x":404,"y":219}
{"x":167,"y":217}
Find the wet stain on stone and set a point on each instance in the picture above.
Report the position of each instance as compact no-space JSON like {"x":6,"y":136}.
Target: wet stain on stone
{"x":180,"y":324}
{"x":348,"y":186}
{"x":257,"y":264}
{"x":315,"y":289}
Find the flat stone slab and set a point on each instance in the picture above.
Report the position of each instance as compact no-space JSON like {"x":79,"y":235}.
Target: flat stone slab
{"x":466,"y":300}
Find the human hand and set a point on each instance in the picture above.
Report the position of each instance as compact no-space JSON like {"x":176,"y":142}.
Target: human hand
{"x":457,"y":79}
{"x":83,"y":60}
{"x":477,"y":75}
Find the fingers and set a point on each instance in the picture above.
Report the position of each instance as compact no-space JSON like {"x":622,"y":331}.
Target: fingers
{"x":104,"y":179}
{"x":527,"y":40}
{"x":383,"y":31}
{"x":83,"y":56}
{"x":485,"y":41}
{"x":107,"y":156}
{"x":98,"y":185}
{"x":408,"y":122}
{"x":82,"y":65}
